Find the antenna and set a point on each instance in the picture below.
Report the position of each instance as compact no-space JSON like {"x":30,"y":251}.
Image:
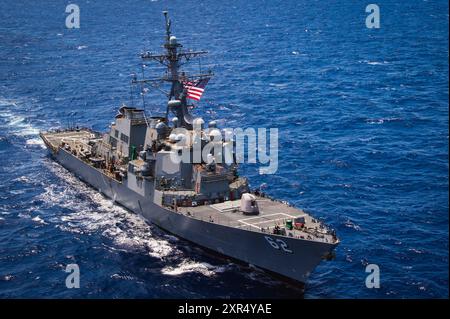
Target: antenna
{"x":168,"y":23}
{"x":142,"y":87}
{"x":133,"y":80}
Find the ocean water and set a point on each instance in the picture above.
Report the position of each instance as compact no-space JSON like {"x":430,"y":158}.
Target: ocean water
{"x":363,"y":121}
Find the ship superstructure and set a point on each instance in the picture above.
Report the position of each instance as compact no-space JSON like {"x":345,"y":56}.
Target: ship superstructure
{"x":204,"y":201}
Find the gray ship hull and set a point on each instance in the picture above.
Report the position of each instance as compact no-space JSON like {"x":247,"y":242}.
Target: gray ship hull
{"x":250,"y":247}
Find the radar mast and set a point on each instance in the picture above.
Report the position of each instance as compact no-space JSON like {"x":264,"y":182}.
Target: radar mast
{"x":173,"y":58}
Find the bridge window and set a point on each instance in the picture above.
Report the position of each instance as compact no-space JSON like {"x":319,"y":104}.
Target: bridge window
{"x":112,"y":141}
{"x":124,"y":138}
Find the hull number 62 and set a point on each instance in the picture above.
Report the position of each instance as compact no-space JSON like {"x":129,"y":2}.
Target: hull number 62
{"x":278,"y":244}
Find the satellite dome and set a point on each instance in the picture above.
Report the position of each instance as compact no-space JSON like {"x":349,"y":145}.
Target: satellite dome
{"x":174,"y":103}
{"x":172,"y":137}
{"x":198,"y":122}
{"x":180,"y":137}
{"x":160,"y":127}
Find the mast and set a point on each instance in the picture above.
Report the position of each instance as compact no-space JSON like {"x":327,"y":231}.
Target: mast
{"x":173,"y":58}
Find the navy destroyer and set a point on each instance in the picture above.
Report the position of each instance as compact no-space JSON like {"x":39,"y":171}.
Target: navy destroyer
{"x":206,"y":201}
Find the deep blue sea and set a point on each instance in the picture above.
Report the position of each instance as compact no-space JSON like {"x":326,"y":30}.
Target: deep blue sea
{"x":363,"y":121}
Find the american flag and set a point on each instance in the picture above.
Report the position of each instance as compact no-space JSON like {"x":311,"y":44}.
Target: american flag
{"x":195,"y":89}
